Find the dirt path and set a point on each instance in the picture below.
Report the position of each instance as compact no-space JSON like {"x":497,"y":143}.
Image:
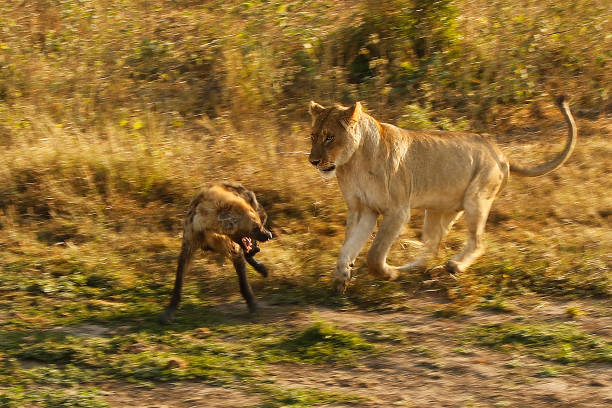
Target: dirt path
{"x":437,"y":373}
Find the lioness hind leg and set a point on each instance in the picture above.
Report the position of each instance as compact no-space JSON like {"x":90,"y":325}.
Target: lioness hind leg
{"x":435,"y":227}
{"x":476,"y":204}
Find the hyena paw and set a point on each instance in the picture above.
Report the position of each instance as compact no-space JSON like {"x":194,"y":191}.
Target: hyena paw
{"x":253,"y":307}
{"x":263,"y":271}
{"x":167,"y":316}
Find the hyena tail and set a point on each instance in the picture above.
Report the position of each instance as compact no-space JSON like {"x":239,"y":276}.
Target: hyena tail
{"x":188,"y":249}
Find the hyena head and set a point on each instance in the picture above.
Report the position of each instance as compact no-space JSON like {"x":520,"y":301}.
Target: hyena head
{"x":241,"y":222}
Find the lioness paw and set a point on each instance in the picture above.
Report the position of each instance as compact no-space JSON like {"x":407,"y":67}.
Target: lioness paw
{"x":391,"y":274}
{"x":340,"y":286}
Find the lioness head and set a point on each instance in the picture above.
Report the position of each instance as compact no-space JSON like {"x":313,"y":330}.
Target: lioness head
{"x":334,"y":137}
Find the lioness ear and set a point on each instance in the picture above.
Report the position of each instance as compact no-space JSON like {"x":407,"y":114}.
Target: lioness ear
{"x":354,"y":112}
{"x":315,"y":109}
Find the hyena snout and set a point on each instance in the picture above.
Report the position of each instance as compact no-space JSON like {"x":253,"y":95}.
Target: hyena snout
{"x":262,"y":234}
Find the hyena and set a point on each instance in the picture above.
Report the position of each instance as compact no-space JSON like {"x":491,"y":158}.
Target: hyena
{"x":225,"y":218}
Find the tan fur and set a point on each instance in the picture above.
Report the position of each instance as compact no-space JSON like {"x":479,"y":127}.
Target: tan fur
{"x":218,"y":218}
{"x":385,"y":170}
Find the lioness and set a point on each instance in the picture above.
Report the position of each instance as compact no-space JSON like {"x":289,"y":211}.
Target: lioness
{"x":385,"y":170}
{"x":225,"y":218}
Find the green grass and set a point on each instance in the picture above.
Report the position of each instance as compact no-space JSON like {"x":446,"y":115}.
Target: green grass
{"x":560,"y":343}
{"x":85,"y":398}
{"x":319,"y":343}
{"x":297,"y":398}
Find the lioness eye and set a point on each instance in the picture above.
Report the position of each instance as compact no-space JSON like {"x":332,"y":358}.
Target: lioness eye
{"x":329,"y":138}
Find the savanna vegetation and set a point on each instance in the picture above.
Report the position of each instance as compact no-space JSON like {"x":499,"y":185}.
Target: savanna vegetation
{"x":112,"y":113}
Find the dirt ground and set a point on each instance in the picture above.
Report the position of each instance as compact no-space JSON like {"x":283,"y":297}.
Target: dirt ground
{"x":473,"y":377}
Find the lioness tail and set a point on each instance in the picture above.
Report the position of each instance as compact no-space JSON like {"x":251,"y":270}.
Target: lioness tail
{"x":572,"y":134}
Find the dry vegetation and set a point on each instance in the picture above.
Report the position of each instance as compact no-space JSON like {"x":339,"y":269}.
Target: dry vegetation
{"x":113,"y":113}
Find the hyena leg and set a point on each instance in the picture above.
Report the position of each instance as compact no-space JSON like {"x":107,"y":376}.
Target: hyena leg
{"x":258,"y":266}
{"x":245,"y":288}
{"x":224,"y":245}
{"x":359,"y":227}
{"x":188,"y":248}
{"x":435,"y":227}
{"x":388,"y":231}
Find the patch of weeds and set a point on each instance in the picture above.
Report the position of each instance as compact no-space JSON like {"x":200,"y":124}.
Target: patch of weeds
{"x":216,"y":364}
{"x":496,"y":304}
{"x":548,"y":372}
{"x":573,"y":312}
{"x":49,"y":352}
{"x":296,"y":398}
{"x":385,"y":333}
{"x":65,"y":376}
{"x":64,"y":399}
{"x":448,"y":312}
{"x":18,"y":397}
{"x":560,"y":343}
{"x":513,"y":364}
{"x":58,"y":231}
{"x":319,"y":343}
{"x":422,"y":351}
{"x":99,"y":281}
{"x":63,"y":350}
{"x":463,"y":351}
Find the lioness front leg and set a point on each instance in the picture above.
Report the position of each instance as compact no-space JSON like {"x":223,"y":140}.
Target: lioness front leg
{"x":359,"y":227}
{"x":388,"y":231}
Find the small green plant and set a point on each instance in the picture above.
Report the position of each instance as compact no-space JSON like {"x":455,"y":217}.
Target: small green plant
{"x":496,"y":304}
{"x":319,"y":343}
{"x":574,"y":311}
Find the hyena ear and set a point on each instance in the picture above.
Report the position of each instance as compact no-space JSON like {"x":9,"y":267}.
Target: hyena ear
{"x":315,"y":109}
